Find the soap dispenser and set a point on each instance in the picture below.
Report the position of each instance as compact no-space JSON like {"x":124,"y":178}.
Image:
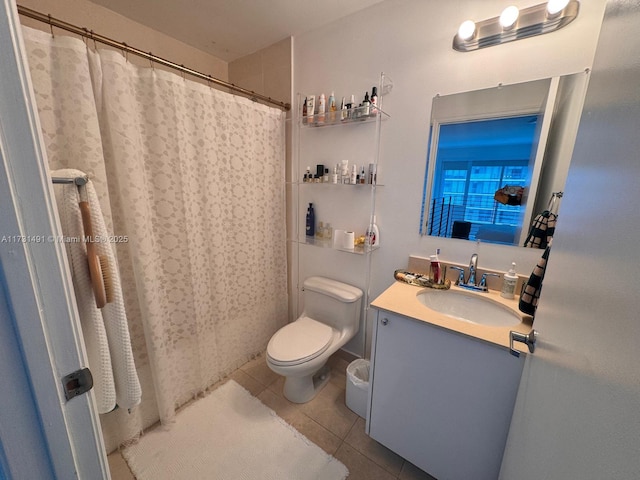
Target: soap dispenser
{"x":509,"y":282}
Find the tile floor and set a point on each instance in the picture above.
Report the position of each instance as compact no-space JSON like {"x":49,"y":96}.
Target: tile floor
{"x":325,"y":420}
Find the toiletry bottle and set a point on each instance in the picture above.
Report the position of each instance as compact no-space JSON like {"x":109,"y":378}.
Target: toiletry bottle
{"x":372,"y":236}
{"x":436,"y":269}
{"x":325,"y":178}
{"x":374,"y":101}
{"x":311,"y":221}
{"x":343,"y":110}
{"x":332,"y":108}
{"x":362,"y":176}
{"x":321,"y":108}
{"x":311,"y":105}
{"x":372,"y":173}
{"x":354,"y":175}
{"x":509,"y":281}
{"x":307,"y":176}
{"x":366,"y":104}
{"x":320,"y":230}
{"x":353,"y":107}
{"x":304,"y":111}
{"x":344,"y":171}
{"x":334,"y":175}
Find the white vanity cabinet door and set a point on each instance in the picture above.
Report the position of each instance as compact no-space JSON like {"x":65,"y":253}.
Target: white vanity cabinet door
{"x":441,"y":400}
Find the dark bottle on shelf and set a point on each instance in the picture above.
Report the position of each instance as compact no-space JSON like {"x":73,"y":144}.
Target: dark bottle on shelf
{"x":311,"y":221}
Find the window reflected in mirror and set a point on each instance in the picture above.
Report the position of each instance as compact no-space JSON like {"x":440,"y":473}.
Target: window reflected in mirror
{"x":478,"y":160}
{"x":496,"y":155}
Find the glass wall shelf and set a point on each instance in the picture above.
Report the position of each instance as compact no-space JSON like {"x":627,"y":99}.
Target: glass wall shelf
{"x":343,"y":117}
{"x":328,"y":243}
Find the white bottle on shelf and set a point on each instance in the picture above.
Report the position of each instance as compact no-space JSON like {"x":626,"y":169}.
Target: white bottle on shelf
{"x":372,"y":236}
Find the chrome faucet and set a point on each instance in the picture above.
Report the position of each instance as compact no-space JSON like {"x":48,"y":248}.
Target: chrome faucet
{"x":473,"y":266}
{"x":470,"y":283}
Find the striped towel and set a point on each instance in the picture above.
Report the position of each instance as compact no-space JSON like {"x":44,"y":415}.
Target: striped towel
{"x":105,"y":331}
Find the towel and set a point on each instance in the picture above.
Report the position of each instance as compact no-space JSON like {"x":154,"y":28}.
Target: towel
{"x":542,"y":229}
{"x":531,"y":292}
{"x":105,"y":331}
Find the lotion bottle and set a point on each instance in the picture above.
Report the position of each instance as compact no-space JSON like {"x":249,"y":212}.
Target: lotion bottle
{"x":509,"y":282}
{"x":372,"y":236}
{"x":321,"y":108}
{"x":354,"y":175}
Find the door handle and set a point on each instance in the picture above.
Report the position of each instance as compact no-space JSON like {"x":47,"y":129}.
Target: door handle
{"x":529,"y":339}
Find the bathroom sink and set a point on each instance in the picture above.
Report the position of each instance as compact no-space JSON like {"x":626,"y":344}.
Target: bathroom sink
{"x":470,"y":307}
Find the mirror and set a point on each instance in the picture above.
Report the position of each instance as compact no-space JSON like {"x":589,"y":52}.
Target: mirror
{"x":497,"y":156}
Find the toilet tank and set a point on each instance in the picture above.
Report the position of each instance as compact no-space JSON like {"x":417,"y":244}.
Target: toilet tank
{"x":331,"y":302}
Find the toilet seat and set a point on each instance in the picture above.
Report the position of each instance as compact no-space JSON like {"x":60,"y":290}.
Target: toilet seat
{"x":299,"y":342}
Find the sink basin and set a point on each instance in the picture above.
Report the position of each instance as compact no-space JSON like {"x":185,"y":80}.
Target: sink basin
{"x":469,"y":307}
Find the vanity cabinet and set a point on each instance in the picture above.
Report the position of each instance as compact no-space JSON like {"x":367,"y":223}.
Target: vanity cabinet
{"x":440,"y":399}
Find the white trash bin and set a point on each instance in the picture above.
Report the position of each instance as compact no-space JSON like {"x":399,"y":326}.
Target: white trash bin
{"x":358,"y":386}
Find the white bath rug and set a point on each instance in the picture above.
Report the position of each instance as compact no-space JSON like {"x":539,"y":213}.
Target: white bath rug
{"x":230,"y":435}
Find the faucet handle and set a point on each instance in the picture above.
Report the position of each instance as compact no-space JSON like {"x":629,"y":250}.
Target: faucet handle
{"x":483,"y":280}
{"x":460,"y":280}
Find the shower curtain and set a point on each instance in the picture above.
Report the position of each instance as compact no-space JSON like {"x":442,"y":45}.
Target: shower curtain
{"x":191,"y":184}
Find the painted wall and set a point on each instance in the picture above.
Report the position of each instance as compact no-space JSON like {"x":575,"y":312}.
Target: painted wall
{"x":83,"y":13}
{"x":267,"y":71}
{"x":410,"y":40}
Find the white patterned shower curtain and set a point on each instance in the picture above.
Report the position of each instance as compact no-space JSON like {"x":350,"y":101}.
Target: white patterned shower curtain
{"x":191,"y":183}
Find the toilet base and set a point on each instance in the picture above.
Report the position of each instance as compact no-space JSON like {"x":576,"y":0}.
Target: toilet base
{"x":304,"y":389}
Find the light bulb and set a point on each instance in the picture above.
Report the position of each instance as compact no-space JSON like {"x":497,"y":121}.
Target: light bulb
{"x":467,"y":29}
{"x":509,"y":16}
{"x":556,"y":6}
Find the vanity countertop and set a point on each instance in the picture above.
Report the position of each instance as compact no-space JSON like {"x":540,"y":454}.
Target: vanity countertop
{"x":401,"y":298}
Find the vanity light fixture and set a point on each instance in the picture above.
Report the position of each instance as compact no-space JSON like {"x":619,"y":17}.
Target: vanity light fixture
{"x":467,"y":30}
{"x":514,"y":24}
{"x":509,"y":17}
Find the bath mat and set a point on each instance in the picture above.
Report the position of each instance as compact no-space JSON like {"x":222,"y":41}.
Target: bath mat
{"x":230,"y":435}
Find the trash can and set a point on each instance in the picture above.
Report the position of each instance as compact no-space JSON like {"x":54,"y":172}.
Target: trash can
{"x":358,"y":386}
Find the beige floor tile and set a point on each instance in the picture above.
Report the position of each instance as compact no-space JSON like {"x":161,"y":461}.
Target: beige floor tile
{"x":259,"y":370}
{"x":248,"y":382}
{"x":276,"y":402}
{"x":315,"y":432}
{"x":363,"y":443}
{"x":328,"y":408}
{"x":360,"y":467}
{"x":119,"y":468}
{"x":411,"y":472}
{"x":277,"y":386}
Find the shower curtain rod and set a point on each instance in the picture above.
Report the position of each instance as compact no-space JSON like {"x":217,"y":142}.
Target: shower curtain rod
{"x":90,"y":34}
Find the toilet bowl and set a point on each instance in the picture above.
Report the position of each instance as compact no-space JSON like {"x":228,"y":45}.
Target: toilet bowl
{"x":300,"y":350}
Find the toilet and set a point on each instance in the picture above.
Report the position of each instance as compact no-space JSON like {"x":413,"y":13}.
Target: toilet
{"x":299,"y":350}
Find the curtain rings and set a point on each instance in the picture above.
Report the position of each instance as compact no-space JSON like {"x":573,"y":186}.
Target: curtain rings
{"x":50,"y":24}
{"x":151,"y":61}
{"x":184,"y":77}
{"x":125,"y":53}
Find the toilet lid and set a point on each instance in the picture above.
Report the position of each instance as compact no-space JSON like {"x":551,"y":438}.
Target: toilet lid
{"x":299,"y":341}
